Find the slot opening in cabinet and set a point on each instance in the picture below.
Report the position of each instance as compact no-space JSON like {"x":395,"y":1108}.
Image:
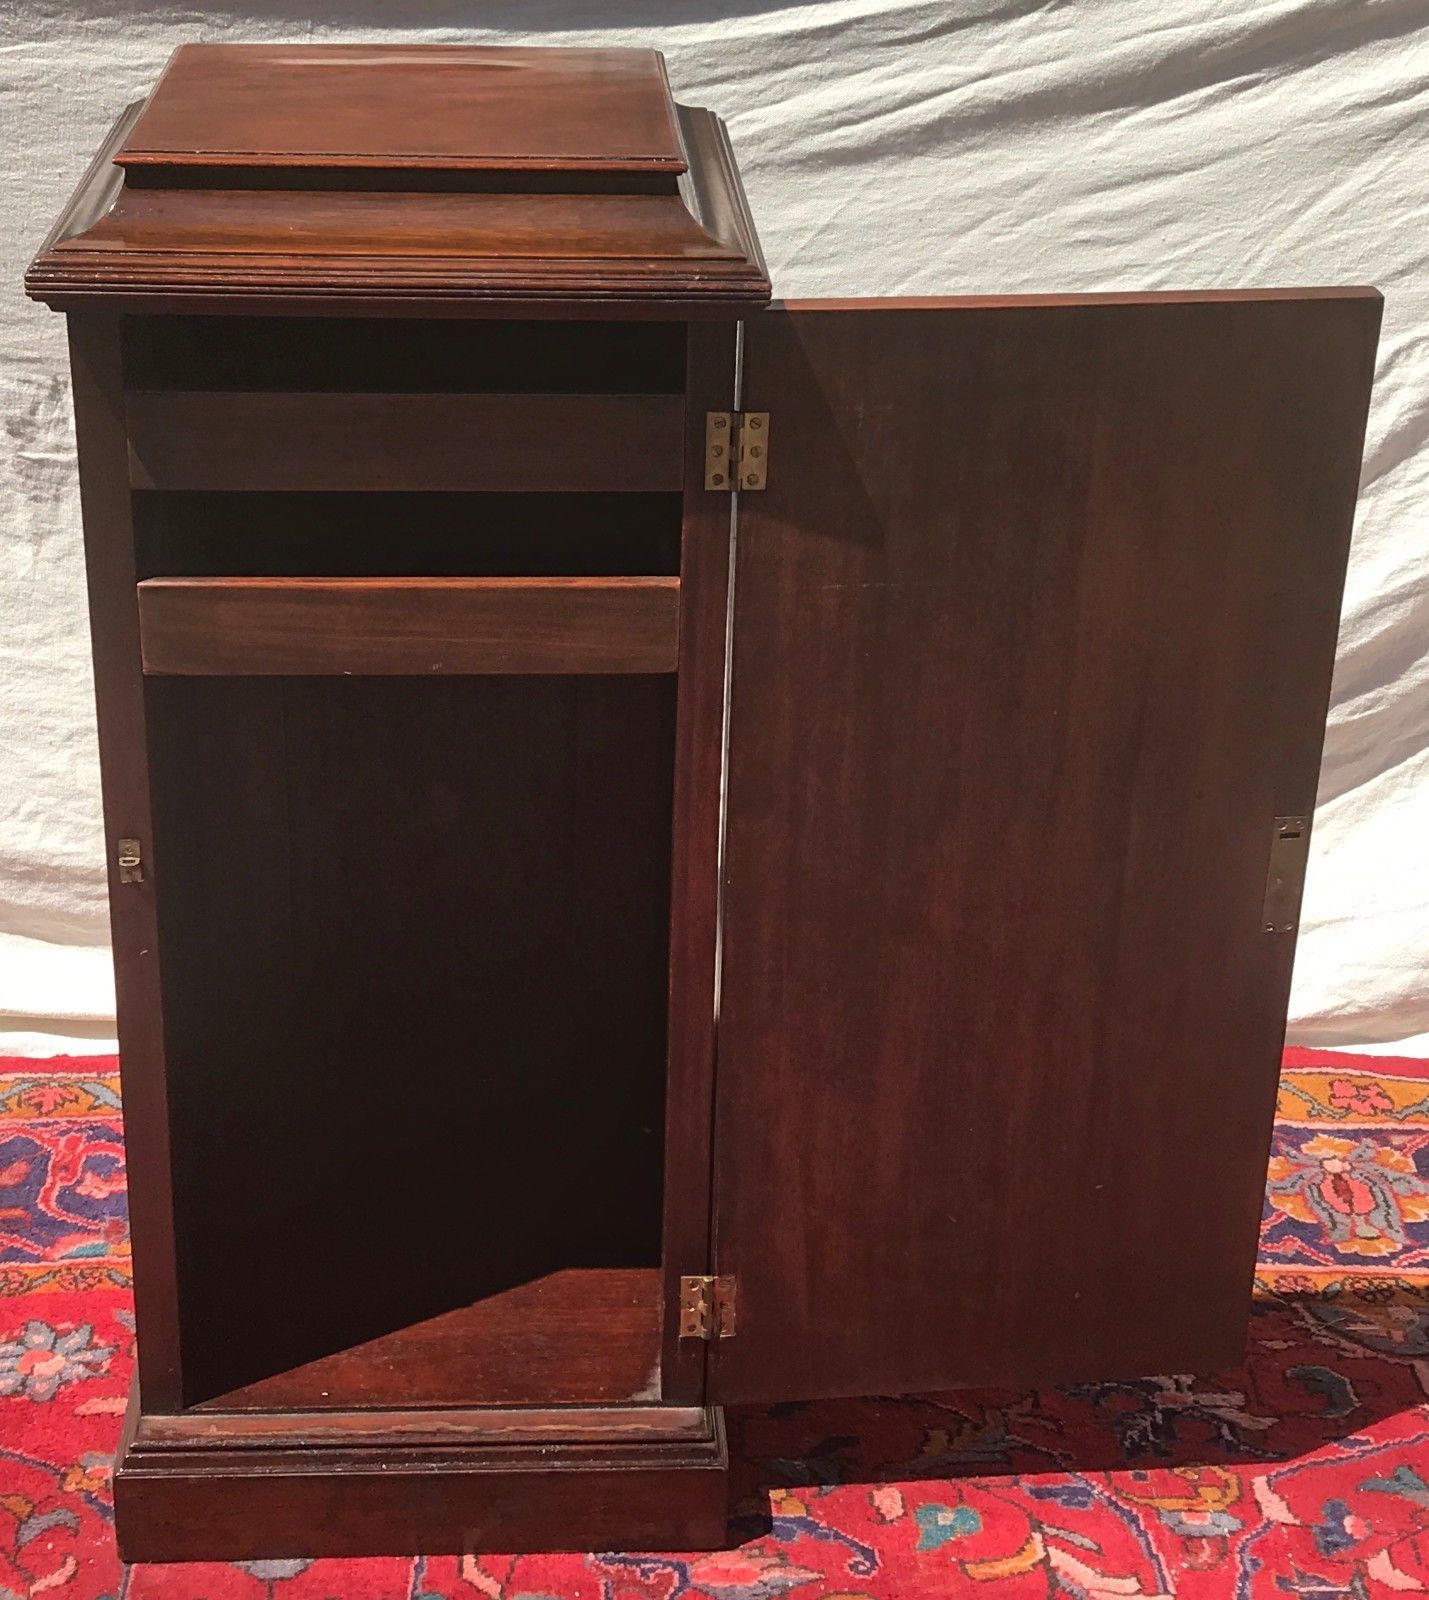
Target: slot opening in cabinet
{"x":412,"y":355}
{"x":200,"y":534}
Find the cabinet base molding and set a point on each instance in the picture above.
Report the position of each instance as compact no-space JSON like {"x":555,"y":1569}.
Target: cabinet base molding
{"x":209,"y":1486}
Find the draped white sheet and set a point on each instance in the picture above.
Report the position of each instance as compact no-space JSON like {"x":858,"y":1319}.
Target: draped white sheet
{"x":921,"y":147}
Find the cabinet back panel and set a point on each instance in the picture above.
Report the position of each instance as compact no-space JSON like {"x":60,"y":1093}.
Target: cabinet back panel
{"x":414,"y":1021}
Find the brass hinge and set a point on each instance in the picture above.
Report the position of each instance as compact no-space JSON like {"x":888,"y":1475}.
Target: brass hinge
{"x":736,"y":450}
{"x":707,"y":1307}
{"x":1285,"y":876}
{"x":130,"y":861}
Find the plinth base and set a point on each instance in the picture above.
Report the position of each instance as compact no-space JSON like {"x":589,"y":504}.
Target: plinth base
{"x":247,"y":1486}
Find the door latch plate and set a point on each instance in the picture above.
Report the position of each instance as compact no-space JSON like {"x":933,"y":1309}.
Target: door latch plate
{"x":1285,"y":877}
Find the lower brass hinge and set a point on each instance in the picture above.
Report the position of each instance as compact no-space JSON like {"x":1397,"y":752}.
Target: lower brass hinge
{"x":707,"y":1307}
{"x":736,"y":450}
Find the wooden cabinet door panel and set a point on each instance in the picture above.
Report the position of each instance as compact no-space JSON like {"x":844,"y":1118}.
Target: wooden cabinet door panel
{"x":1033,"y":634}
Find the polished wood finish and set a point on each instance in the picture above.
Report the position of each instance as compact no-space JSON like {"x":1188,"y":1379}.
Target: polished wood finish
{"x":96,"y":375}
{"x":545,"y":919}
{"x":492,"y":442}
{"x":294,"y":626}
{"x":210,"y":1427}
{"x":1033,"y":637}
{"x":448,"y":107}
{"x":581,"y":1337}
{"x":243,"y":1500}
{"x":447,"y":227}
{"x":321,"y":180}
{"x":382,"y":732}
{"x":708,"y":532}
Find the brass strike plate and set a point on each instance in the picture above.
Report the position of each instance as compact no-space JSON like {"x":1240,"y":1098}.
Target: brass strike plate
{"x":1285,"y":877}
{"x":129,"y":861}
{"x":719,"y":449}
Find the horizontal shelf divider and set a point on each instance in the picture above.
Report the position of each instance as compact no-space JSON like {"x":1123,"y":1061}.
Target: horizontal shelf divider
{"x":235,"y":627}
{"x":276,"y":440}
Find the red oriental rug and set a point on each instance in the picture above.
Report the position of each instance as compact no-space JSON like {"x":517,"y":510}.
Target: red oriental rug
{"x":1304,"y":1472}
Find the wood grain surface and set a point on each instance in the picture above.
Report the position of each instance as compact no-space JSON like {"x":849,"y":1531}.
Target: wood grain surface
{"x":445,"y":106}
{"x":1033,"y":636}
{"x":582,"y":1336}
{"x":694,"y":884}
{"x":242,"y":1497}
{"x":380,"y":626}
{"x":96,"y":371}
{"x":239,"y":440}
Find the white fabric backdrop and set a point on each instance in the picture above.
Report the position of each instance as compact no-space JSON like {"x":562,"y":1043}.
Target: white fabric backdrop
{"x":921,"y":147}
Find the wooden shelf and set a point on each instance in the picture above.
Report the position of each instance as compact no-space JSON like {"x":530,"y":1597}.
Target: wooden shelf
{"x":392,"y":626}
{"x":576,"y":1337}
{"x":293,"y":439}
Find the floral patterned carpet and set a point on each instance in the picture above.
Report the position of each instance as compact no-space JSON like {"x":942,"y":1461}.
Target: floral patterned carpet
{"x":1304,"y":1472}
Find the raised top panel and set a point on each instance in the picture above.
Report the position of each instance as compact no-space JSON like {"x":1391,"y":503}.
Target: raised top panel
{"x":433,"y":107}
{"x":428,"y":180}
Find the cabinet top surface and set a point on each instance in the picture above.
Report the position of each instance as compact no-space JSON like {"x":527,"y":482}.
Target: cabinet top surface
{"x":433,"y":107}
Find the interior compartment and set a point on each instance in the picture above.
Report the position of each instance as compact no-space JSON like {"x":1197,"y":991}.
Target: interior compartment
{"x":415,"y":1031}
{"x":412,"y":355}
{"x":334,"y":535}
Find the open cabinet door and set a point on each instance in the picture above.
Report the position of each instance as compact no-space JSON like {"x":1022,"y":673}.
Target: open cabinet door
{"x":1033,"y":634}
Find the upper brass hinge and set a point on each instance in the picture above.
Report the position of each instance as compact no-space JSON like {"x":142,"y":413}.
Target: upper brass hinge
{"x":130,"y":861}
{"x":1285,"y":876}
{"x":736,"y":450}
{"x":707,"y":1307}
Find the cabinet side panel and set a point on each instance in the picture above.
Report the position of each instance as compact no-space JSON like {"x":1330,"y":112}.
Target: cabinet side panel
{"x":96,"y":366}
{"x":694,"y":898}
{"x":1034,"y":632}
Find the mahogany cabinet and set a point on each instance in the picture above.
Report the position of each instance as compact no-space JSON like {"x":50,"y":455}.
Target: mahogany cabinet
{"x":665,"y":849}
